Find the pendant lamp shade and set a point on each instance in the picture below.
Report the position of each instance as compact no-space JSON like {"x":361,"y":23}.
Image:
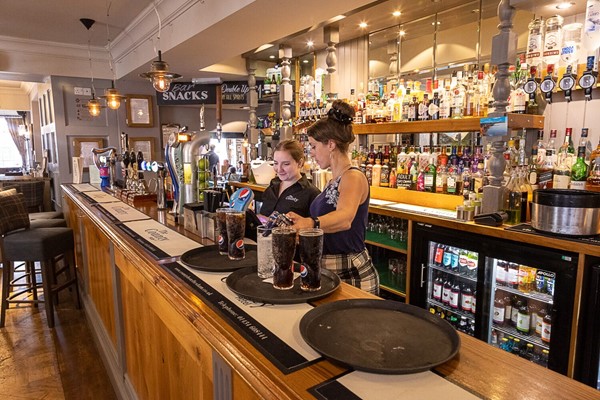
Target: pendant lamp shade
{"x":94,"y":107}
{"x":113,"y":97}
{"x":159,"y":75}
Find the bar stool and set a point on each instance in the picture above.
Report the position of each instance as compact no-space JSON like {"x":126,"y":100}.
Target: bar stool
{"x":20,"y":243}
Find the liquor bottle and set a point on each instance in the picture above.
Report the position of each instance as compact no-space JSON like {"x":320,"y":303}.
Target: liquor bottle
{"x":552,"y":41}
{"x":595,"y":153}
{"x":384,"y":180}
{"x":579,"y":171}
{"x":535,"y":43}
{"x":412,"y":109}
{"x":469,"y":106}
{"x":512,"y":200}
{"x":593,"y":180}
{"x":586,"y":143}
{"x":526,"y":194}
{"x":430,"y":176}
{"x":569,"y":147}
{"x":371,"y":155}
{"x":532,"y":169}
{"x":451,"y":181}
{"x":445,"y":103}
{"x":540,"y":146}
{"x":441,"y":180}
{"x":458,"y":96}
{"x":453,"y":157}
{"x":406,"y":105}
{"x":434,"y":107}
{"x":376,"y":178}
{"x":562,"y":171}
{"x":539,"y":321}
{"x":423,"y":108}
{"x":547,"y":328}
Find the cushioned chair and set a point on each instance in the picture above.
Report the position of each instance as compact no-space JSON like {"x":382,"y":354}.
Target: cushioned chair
{"x":20,"y":243}
{"x":34,"y":216}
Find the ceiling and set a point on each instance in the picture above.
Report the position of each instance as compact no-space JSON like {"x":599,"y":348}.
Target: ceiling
{"x":57,"y":22}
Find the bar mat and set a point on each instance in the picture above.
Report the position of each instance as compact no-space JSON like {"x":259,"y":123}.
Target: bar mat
{"x":260,"y":324}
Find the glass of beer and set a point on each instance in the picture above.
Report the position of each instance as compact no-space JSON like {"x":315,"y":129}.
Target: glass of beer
{"x":236,"y":227}
{"x":222,"y":241}
{"x":264,"y":250}
{"x":311,"y":250}
{"x":284,"y":248}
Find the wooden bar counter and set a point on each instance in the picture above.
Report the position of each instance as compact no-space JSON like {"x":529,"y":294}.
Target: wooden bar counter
{"x":160,"y":341}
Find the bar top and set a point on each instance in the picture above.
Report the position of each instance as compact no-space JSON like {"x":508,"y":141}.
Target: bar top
{"x":479,"y":368}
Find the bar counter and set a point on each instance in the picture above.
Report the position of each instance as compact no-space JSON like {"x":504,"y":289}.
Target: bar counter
{"x":159,"y":340}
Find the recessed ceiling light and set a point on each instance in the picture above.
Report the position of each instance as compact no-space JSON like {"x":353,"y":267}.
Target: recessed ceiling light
{"x":401,"y":33}
{"x":363,"y":25}
{"x":271,"y":56}
{"x":310,"y":43}
{"x":305,"y":61}
{"x":564,"y":5}
{"x":396,"y":13}
{"x":436,"y":23}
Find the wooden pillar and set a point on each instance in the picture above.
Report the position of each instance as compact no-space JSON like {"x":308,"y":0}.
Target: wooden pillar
{"x":504,"y":53}
{"x":252,"y":100}
{"x":331,"y":36}
{"x":286,"y":92}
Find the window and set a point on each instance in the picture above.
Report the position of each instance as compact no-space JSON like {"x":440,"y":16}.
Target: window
{"x":9,"y":154}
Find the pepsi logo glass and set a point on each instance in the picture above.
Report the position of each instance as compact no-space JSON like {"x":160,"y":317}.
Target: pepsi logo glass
{"x":311,"y":250}
{"x":236,"y":226}
{"x":284,"y":248}
{"x":222,"y":241}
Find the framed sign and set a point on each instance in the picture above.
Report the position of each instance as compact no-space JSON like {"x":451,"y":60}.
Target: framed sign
{"x":82,"y":147}
{"x":167,"y":130}
{"x":143,"y":144}
{"x":139,"y":111}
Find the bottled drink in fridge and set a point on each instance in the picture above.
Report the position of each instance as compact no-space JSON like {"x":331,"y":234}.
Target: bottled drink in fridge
{"x":499,"y":310}
{"x":524,"y":318}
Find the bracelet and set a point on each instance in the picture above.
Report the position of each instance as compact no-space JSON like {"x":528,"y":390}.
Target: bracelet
{"x":316,"y":222}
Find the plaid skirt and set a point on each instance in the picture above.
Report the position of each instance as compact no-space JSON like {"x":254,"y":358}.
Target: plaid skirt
{"x":356,"y":269}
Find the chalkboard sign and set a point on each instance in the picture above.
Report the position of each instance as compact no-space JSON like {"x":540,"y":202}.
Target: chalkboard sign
{"x":404,"y":181}
{"x":187,"y":93}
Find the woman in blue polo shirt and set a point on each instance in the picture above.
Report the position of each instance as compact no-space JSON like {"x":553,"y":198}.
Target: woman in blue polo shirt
{"x":290,"y":190}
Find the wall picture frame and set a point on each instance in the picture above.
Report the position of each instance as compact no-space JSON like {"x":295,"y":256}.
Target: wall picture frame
{"x":143,"y":144}
{"x":82,"y":147}
{"x":139,"y":111}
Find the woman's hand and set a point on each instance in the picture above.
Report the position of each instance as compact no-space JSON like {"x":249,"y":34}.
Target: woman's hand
{"x":300,"y":222}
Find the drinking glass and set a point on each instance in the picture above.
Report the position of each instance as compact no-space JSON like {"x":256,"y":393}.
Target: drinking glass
{"x":236,"y":227}
{"x":284,"y":247}
{"x":222,"y":241}
{"x":264,"y":249}
{"x":311,"y":250}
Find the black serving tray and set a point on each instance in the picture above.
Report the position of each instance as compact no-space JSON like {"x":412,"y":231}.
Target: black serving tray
{"x":246,"y":283}
{"x":207,"y":258}
{"x":379,"y":336}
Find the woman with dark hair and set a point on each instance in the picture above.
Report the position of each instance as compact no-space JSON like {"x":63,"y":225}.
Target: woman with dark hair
{"x":290,"y":190}
{"x":342,"y":209}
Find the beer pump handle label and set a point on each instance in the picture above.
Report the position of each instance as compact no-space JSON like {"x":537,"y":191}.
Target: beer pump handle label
{"x":567,"y":83}
{"x":530,"y":86}
{"x":547,"y":85}
{"x":587,"y":80}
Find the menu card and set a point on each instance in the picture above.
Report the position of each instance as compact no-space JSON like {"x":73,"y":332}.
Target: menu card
{"x":366,"y":386}
{"x":83,"y":187}
{"x":121,"y":212}
{"x":99,"y":196}
{"x":161,"y":241}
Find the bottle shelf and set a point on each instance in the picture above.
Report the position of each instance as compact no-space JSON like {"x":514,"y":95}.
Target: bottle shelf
{"x":544,"y":298}
{"x":450,"y":272}
{"x":509,"y":330}
{"x":469,"y":124}
{"x":470,"y":316}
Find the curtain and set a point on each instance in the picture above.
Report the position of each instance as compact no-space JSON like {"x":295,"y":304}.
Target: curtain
{"x":13,"y":129}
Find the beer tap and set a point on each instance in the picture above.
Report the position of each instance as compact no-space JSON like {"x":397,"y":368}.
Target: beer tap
{"x":161,"y":196}
{"x":567,"y":83}
{"x":588,"y":80}
{"x":531,"y":86}
{"x":191,"y":150}
{"x":547,"y":86}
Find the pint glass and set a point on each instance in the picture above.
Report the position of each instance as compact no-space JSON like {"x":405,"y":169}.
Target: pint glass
{"x":311,"y":250}
{"x":222,"y":242}
{"x":236,"y":226}
{"x":284,"y":247}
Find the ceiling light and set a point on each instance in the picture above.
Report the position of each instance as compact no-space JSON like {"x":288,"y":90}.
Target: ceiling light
{"x":564,"y":5}
{"x":436,"y":23}
{"x":94,"y":107}
{"x":263,"y":47}
{"x":363,"y":25}
{"x":271,"y":56}
{"x":401,"y":33}
{"x":113,"y":97}
{"x":159,"y":73}
{"x":305,"y":61}
{"x":396,"y":13}
{"x":310,"y":43}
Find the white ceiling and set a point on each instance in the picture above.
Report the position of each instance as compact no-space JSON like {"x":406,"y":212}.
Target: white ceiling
{"x":196,"y":34}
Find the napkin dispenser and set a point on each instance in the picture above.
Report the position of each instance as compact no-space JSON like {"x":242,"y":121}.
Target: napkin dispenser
{"x":207,"y":222}
{"x":190,"y":220}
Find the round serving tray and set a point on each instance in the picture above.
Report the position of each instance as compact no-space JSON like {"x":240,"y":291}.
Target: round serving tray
{"x":246,"y":283}
{"x":207,"y":258}
{"x":379,"y":336}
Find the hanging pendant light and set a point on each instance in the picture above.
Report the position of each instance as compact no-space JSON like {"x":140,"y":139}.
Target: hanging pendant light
{"x":93,"y":106}
{"x":159,"y":74}
{"x":113,"y":97}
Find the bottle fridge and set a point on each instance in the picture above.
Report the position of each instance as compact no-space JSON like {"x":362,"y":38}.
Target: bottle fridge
{"x":587,"y":365}
{"x":510,"y":294}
